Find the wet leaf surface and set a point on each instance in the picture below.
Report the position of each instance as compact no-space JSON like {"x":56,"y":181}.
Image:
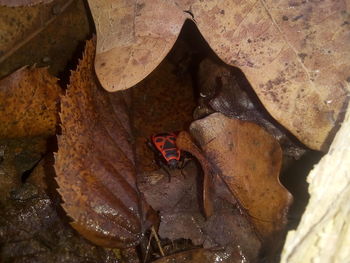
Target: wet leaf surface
{"x":29,"y":101}
{"x":248,"y":160}
{"x":31,"y":229}
{"x":231,"y":201}
{"x":95,"y":163}
{"x":16,"y":157}
{"x":284,"y":48}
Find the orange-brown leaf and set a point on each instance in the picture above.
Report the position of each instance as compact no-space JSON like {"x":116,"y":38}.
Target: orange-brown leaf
{"x":28,"y":103}
{"x":95,"y":163}
{"x":248,"y":159}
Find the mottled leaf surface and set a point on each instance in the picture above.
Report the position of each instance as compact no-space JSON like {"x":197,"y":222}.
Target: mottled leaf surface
{"x":40,"y":35}
{"x":248,"y":159}
{"x":14,"y":3}
{"x":133,"y":38}
{"x":29,"y":101}
{"x":294,"y":53}
{"x":95,"y":163}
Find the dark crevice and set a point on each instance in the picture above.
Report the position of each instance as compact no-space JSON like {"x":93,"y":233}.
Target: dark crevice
{"x":28,"y":172}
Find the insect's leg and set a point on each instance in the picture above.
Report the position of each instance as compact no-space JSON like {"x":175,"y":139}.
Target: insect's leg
{"x":182,"y":166}
{"x":151,"y":147}
{"x":185,"y":159}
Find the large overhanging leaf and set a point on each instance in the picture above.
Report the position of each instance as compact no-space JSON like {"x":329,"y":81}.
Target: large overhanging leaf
{"x":294,"y":53}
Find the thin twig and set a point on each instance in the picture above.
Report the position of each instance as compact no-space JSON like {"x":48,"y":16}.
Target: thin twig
{"x":158,"y":241}
{"x":148,"y":247}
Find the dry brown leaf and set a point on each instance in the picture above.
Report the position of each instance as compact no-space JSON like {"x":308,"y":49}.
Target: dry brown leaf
{"x":39,"y":35}
{"x":14,"y":3}
{"x":95,"y":163}
{"x":177,"y":203}
{"x":20,"y":23}
{"x":294,"y":53}
{"x":133,"y":38}
{"x":28,"y":103}
{"x":248,"y":159}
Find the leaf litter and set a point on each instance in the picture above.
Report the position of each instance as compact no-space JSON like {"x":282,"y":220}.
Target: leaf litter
{"x":285,"y":49}
{"x":180,"y":201}
{"x":87,"y":115}
{"x":238,"y":222}
{"x":31,"y":227}
{"x":92,"y":121}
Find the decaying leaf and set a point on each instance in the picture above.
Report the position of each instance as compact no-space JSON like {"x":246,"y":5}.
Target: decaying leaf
{"x":14,"y":3}
{"x":181,"y":213}
{"x":248,"y":159}
{"x":39,"y":35}
{"x":18,"y":23}
{"x":32,"y":231}
{"x":31,"y":228}
{"x":177,"y":203}
{"x":95,"y":163}
{"x":294,"y":54}
{"x":28,"y":103}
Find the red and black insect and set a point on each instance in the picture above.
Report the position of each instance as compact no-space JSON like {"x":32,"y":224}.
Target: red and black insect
{"x":164,"y":145}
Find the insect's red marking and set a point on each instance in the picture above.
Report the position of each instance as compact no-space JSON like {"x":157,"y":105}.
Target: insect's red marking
{"x":165,"y":143}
